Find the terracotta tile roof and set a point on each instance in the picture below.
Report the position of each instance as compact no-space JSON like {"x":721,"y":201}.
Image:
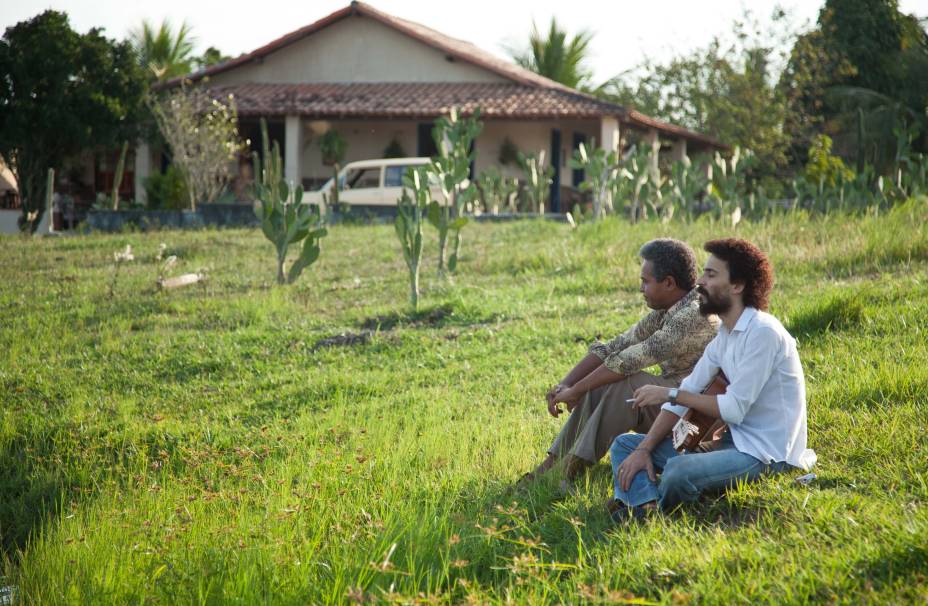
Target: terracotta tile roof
{"x":527,"y":95}
{"x":636,"y":118}
{"x":412,"y":100}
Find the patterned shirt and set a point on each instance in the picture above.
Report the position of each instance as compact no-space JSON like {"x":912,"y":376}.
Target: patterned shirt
{"x":673,"y":338}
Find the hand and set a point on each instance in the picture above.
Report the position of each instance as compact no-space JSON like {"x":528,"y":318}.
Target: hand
{"x":639,"y":459}
{"x":553,"y":410}
{"x":651,"y":395}
{"x":568,"y":396}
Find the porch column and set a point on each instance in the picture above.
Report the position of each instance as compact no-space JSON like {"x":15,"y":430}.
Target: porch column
{"x":609,"y":134}
{"x":142,"y":170}
{"x":653,"y":142}
{"x":679,"y":150}
{"x":293,"y":154}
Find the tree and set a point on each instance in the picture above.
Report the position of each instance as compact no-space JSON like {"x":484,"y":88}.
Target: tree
{"x":202,"y":134}
{"x":211,"y":56}
{"x":726,"y":90}
{"x":861,"y":77}
{"x":557,"y":57}
{"x":62,"y":92}
{"x":869,"y":35}
{"x":811,"y":70}
{"x":162,"y":52}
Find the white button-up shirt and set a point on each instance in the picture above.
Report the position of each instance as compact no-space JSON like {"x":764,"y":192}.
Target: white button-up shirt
{"x":765,"y":403}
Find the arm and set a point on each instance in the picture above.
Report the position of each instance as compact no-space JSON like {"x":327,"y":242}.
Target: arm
{"x":592,"y":372}
{"x":640,"y":458}
{"x":652,"y":395}
{"x":690,"y":389}
{"x":599,"y":377}
{"x":754,"y":370}
{"x":588,"y":364}
{"x":583,"y":368}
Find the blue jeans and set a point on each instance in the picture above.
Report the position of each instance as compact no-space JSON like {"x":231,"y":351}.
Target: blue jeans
{"x":685,"y":476}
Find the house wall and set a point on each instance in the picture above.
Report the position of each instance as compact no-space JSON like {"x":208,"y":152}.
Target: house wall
{"x":368,"y":139}
{"x":356,"y":49}
{"x":529,"y":136}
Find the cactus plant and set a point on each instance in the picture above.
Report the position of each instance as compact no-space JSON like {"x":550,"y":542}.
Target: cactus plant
{"x":333,"y":147}
{"x":117,"y":178}
{"x":687,"y":185}
{"x":285,"y":220}
{"x":637,"y":172}
{"x":497,"y":190}
{"x":601,"y":170}
{"x":408,"y":225}
{"x":537,"y":179}
{"x":728,"y":181}
{"x":454,"y":137}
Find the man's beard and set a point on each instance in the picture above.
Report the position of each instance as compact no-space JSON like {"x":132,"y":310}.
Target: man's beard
{"x":712,"y":305}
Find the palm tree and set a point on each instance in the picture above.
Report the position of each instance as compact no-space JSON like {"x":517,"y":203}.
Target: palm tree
{"x":556,"y":57}
{"x":162,"y":52}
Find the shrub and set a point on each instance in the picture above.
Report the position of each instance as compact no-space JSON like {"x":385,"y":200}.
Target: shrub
{"x":166,"y":191}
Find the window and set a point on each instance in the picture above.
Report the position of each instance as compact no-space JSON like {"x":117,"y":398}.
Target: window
{"x":362,"y":178}
{"x":393,"y":177}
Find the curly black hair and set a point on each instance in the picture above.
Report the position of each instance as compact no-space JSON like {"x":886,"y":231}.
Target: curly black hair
{"x":671,"y":257}
{"x":747,"y":265}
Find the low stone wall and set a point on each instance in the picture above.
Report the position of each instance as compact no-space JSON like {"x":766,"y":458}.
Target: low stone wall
{"x":206,"y":215}
{"x":243,"y":215}
{"x":9,"y":222}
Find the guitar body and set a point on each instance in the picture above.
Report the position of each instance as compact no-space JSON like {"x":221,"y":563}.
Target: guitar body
{"x":694,"y":427}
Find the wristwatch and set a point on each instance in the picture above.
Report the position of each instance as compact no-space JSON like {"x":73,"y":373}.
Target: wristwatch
{"x":672,"y":394}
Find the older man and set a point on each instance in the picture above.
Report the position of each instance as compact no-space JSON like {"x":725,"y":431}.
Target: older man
{"x":598,"y":389}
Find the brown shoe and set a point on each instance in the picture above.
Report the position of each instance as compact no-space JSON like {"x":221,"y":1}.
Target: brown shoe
{"x":526,"y":479}
{"x":575,"y":466}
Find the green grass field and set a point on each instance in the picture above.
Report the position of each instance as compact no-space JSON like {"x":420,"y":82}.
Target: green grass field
{"x":215,"y":444}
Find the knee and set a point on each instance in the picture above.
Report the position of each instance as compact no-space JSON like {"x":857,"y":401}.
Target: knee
{"x":623,"y":445}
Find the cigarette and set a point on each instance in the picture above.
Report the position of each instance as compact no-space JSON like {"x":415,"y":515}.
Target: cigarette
{"x":629,"y":401}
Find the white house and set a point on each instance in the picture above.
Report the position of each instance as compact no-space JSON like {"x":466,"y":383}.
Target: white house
{"x":381,"y":81}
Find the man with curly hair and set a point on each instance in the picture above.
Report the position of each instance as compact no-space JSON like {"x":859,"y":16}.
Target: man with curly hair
{"x":598,"y":390}
{"x":764,"y":404}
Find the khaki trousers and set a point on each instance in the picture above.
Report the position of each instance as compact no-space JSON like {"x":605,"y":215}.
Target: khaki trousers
{"x":603,"y":414}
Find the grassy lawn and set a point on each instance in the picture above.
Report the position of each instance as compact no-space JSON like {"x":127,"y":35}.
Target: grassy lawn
{"x":216,"y":444}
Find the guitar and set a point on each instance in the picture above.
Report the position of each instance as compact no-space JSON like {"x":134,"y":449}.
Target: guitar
{"x":694,"y":426}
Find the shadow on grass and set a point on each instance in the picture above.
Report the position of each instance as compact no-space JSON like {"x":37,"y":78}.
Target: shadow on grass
{"x":33,"y":479}
{"x":543,"y":513}
{"x":33,"y":491}
{"x":838,"y":312}
{"x":901,"y":564}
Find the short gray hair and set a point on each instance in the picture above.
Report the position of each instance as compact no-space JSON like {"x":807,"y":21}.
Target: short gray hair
{"x":671,"y":257}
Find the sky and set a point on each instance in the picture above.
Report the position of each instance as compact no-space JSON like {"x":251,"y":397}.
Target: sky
{"x":625,"y":32}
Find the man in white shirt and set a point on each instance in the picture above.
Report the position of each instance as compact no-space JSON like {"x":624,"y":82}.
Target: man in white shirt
{"x":764,"y":405}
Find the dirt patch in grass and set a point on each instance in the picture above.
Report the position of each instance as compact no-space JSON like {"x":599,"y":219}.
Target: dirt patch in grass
{"x":439,"y":316}
{"x":345,"y":339}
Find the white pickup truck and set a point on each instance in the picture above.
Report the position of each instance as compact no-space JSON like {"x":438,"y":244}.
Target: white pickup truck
{"x":370,"y":183}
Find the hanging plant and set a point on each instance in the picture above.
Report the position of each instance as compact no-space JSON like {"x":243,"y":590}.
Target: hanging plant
{"x":394,"y":150}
